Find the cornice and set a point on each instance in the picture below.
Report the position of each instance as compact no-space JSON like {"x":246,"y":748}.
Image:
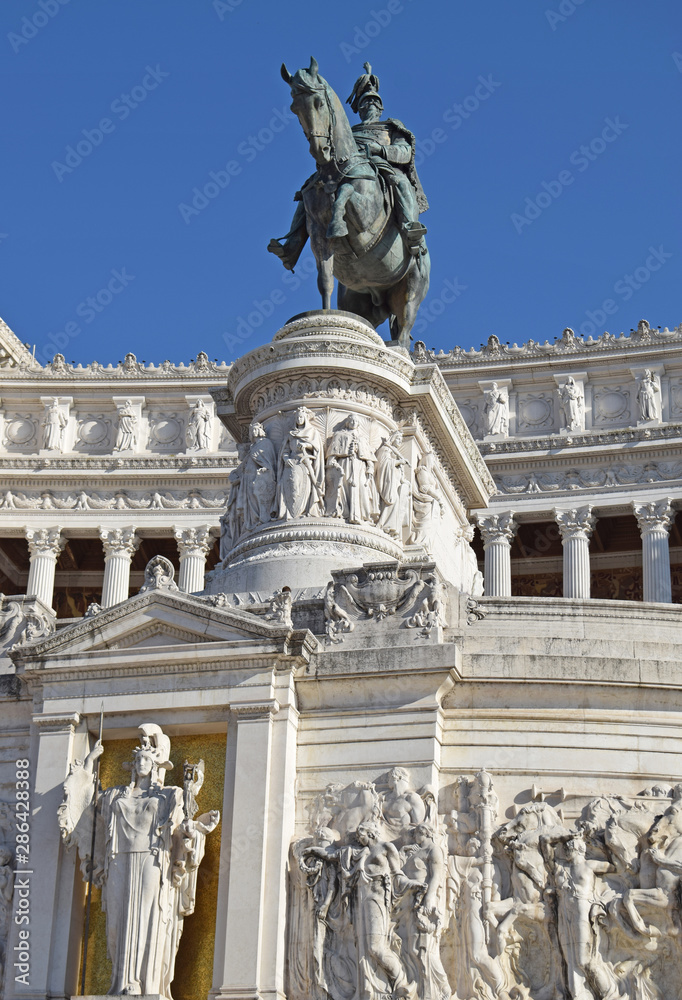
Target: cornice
{"x":496,"y":354}
{"x":130,"y":369}
{"x":586,"y":439}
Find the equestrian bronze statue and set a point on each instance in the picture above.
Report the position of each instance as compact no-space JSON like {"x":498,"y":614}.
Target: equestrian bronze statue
{"x":361,"y":207}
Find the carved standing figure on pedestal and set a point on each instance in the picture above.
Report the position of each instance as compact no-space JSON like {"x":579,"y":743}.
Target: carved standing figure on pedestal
{"x":572,"y":405}
{"x":258,"y":480}
{"x":649,"y":396}
{"x":54,"y":423}
{"x":300,"y":469}
{"x":199,"y":427}
{"x":147,"y":851}
{"x":126,"y":436}
{"x":350,"y":491}
{"x":496,"y":410}
{"x":394,"y":489}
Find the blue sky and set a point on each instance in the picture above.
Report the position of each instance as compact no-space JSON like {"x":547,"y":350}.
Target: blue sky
{"x":549,"y":150}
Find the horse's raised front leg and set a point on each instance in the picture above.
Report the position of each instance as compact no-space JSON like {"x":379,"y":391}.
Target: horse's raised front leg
{"x":325,"y":280}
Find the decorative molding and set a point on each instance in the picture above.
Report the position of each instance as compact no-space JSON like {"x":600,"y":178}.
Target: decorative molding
{"x":130,"y":368}
{"x":118,"y":500}
{"x":588,"y":439}
{"x":495,"y":352}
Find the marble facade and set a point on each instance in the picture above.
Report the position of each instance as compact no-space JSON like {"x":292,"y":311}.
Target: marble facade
{"x":436,"y":783}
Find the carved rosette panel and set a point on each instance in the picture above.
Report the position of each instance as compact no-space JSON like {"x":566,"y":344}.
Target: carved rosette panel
{"x":93,"y":432}
{"x":21,"y":432}
{"x":611,"y":406}
{"x":535,"y":412}
{"x":166,"y":431}
{"x":470,"y":413}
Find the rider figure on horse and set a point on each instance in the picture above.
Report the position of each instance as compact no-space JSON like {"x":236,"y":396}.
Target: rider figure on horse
{"x":390,"y":147}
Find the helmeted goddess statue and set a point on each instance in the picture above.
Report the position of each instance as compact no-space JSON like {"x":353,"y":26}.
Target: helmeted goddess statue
{"x":148,"y":847}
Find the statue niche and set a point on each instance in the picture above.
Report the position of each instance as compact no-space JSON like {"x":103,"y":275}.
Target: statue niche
{"x":148,"y":849}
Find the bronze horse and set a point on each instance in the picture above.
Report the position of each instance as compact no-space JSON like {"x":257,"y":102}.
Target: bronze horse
{"x":378,"y":277}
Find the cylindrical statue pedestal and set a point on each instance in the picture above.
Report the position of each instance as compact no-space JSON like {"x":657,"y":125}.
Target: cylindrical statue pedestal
{"x":350,"y":454}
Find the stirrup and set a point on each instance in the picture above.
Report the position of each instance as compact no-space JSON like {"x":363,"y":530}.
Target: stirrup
{"x":413,"y":233}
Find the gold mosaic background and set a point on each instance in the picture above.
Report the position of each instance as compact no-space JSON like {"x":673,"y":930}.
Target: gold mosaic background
{"x":194,"y":964}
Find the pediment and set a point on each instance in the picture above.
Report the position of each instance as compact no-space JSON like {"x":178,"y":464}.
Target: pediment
{"x":160,"y":618}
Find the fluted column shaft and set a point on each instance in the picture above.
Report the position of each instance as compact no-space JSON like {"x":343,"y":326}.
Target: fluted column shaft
{"x":575,"y":527}
{"x":498,"y":531}
{"x":655,"y":521}
{"x":193,"y":546}
{"x":44,"y":546}
{"x":119,"y":546}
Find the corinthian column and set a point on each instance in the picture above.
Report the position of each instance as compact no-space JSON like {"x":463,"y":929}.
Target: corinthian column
{"x":193,"y":546}
{"x":44,"y":545}
{"x":119,"y":546}
{"x":655,"y":521}
{"x":497,"y":531}
{"x":576,"y":527}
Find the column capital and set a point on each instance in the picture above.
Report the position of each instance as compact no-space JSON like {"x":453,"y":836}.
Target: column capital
{"x":654,"y":517}
{"x":576,"y":523}
{"x":193,"y":541}
{"x":118,"y":541}
{"x":497,"y":527}
{"x":45,"y":541}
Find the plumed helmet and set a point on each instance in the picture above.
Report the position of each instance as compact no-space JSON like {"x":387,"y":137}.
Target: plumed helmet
{"x":366,"y":86}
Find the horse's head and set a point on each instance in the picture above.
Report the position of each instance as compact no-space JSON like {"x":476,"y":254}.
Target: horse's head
{"x":321,"y":115}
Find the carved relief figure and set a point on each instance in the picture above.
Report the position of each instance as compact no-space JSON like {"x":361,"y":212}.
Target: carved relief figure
{"x":572,"y":404}
{"x":258,"y":479}
{"x":649,"y":396}
{"x":232,"y":521}
{"x":126,"y":436}
{"x":371,"y":874}
{"x":576,"y":892}
{"x":199,"y":427}
{"x":426,"y":499}
{"x":496,"y":410}
{"x":475,"y":965}
{"x":394,"y":489}
{"x":300,"y":469}
{"x":147,"y":852}
{"x":420,"y":913}
{"x":350,"y":489}
{"x":54,"y":423}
